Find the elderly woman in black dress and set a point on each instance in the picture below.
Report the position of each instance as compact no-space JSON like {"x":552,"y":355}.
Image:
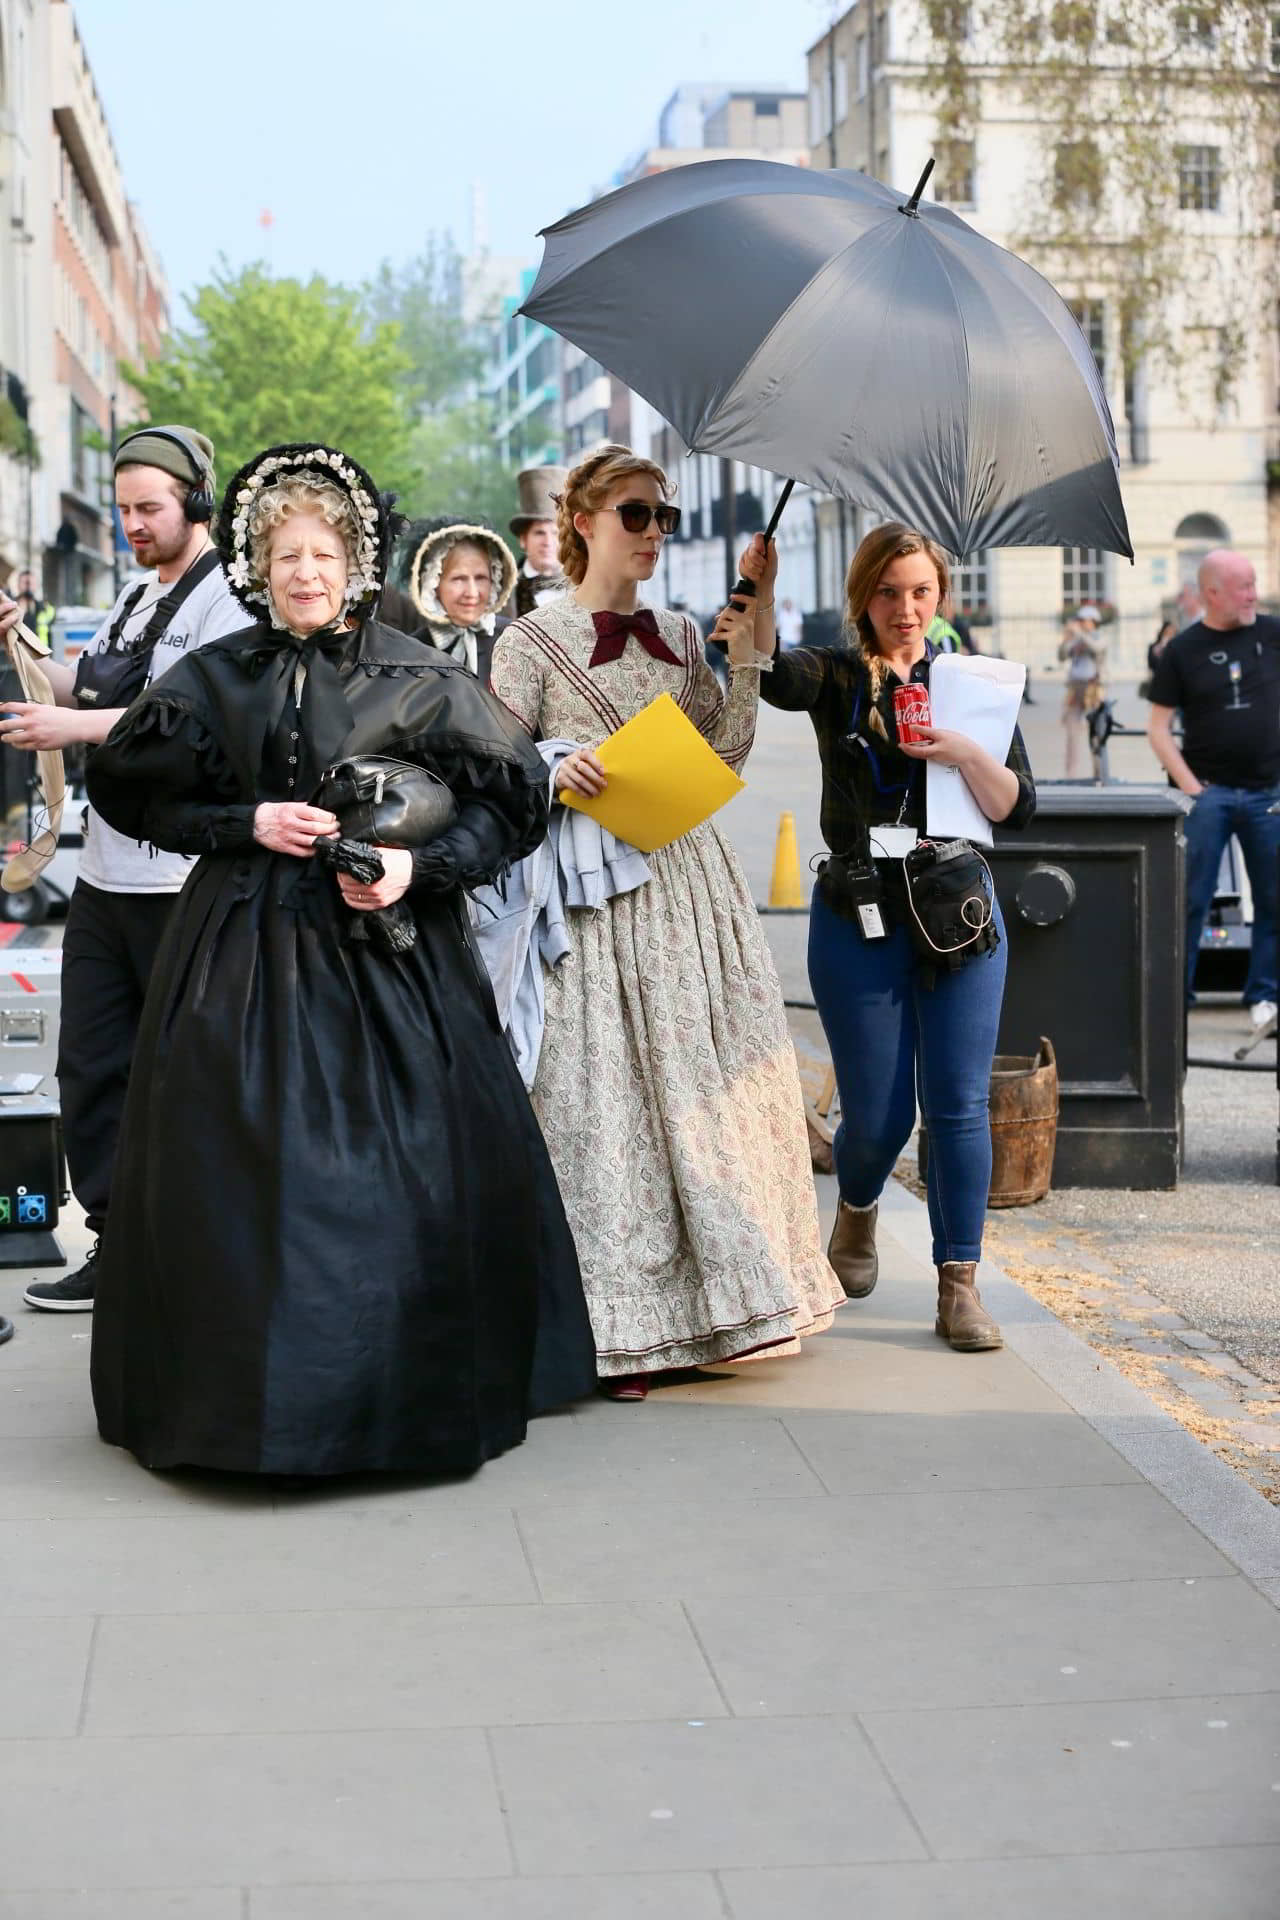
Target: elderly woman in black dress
{"x":340,"y":1245}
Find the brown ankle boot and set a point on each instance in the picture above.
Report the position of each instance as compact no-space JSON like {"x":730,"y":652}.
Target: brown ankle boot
{"x":962,"y":1319}
{"x":852,"y":1251}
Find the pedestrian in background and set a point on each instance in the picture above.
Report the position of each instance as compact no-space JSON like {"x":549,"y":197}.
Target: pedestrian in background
{"x":1084,"y":651}
{"x":895,"y":1021}
{"x":534,"y":526}
{"x":949,"y":631}
{"x":1164,"y":634}
{"x":125,"y":888}
{"x":461,"y":576}
{"x":666,"y":1083}
{"x":790,"y":624}
{"x":1222,"y":674}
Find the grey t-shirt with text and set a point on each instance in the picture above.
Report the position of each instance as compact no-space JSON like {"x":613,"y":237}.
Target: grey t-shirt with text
{"x":110,"y":860}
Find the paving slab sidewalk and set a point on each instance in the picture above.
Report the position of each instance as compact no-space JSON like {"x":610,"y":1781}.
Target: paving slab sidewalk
{"x":884,"y":1629}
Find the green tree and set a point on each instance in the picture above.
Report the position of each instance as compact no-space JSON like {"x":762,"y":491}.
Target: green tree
{"x":442,"y":331}
{"x":458,"y":471}
{"x":425,"y":300}
{"x":268,"y":361}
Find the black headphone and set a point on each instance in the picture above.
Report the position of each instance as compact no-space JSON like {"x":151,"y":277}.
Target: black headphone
{"x":199,"y":503}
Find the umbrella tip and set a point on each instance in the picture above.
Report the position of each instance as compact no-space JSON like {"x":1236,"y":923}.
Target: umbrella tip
{"x":914,"y":201}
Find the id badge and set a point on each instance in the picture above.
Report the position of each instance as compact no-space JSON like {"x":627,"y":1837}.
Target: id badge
{"x":893,"y":843}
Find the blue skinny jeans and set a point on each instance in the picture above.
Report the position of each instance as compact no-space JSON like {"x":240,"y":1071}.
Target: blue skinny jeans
{"x":892,"y":1041}
{"x":1217,"y":814}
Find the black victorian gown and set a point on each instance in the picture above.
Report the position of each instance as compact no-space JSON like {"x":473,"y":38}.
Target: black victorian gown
{"x":336,"y":1242}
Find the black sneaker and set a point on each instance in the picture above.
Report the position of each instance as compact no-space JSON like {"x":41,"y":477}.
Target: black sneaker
{"x":6,"y":1331}
{"x":72,"y":1295}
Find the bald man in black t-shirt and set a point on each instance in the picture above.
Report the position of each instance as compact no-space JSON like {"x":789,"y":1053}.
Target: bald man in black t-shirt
{"x":1223,"y":674}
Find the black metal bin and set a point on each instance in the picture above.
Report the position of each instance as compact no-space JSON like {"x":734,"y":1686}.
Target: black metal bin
{"x":1093,"y":896}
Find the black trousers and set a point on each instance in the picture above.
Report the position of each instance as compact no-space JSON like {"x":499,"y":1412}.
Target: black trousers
{"x":108,"y":949}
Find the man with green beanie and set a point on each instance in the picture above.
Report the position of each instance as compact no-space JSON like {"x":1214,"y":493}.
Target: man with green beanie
{"x":164,"y":488}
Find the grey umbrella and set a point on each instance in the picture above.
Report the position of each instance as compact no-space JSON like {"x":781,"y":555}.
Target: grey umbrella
{"x":796,"y":320}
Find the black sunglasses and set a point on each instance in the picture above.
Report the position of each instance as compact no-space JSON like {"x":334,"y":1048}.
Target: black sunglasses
{"x":635,"y":516}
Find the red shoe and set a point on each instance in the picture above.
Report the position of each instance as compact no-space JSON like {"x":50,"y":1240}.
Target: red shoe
{"x":625,"y":1386}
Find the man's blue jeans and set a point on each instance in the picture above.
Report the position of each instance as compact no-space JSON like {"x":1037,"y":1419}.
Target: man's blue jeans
{"x":891,"y":1038}
{"x":1217,"y":814}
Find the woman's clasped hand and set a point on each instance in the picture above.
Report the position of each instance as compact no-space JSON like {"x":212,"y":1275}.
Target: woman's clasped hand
{"x":289,"y":826}
{"x":397,"y":872}
{"x":582,"y":772}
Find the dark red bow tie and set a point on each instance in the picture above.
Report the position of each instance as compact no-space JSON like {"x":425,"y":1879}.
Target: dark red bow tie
{"x":611,"y":637}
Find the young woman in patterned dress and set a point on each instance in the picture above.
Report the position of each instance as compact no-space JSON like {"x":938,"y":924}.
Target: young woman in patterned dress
{"x":667,"y":1085}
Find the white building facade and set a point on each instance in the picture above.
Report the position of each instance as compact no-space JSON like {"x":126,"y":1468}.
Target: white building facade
{"x":81,"y":295}
{"x":1196,"y":472}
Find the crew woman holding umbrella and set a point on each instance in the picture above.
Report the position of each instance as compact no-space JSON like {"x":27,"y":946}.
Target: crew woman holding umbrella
{"x":895,"y":1022}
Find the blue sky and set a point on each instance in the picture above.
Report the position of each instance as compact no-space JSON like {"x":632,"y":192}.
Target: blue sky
{"x":362,"y":124}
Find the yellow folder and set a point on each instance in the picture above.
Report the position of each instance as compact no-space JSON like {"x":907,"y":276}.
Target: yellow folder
{"x":664,"y":779}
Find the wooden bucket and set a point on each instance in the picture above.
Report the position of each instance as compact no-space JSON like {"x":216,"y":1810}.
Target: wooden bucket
{"x":1024,"y":1125}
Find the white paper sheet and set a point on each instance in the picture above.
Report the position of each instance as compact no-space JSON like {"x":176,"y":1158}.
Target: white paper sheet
{"x":980,"y":697}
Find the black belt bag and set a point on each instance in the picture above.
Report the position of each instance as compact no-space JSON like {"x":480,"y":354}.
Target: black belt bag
{"x":118,"y":674}
{"x":950,"y":903}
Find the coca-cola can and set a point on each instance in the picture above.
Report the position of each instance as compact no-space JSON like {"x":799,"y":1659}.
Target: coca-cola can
{"x":911,"y":710}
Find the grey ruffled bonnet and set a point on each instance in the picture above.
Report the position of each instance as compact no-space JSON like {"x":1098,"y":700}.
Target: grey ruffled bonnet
{"x":439,"y":538}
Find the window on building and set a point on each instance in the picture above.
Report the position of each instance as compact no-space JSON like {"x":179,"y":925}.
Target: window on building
{"x":1195,"y":27}
{"x":971,"y":583}
{"x":83,"y":466}
{"x":1275,"y":177}
{"x":1199,"y":179}
{"x":1092,"y":316}
{"x":952,"y":20}
{"x":1074,"y":22}
{"x":540,"y":366}
{"x":882,"y":165}
{"x":1084,"y":575}
{"x":1273,"y":40}
{"x":1077,"y":176}
{"x":768,"y":124}
{"x":588,"y":433}
{"x":1135,"y":394}
{"x":862,"y":66}
{"x":841,"y":106}
{"x":817,"y":103}
{"x":955,"y":179}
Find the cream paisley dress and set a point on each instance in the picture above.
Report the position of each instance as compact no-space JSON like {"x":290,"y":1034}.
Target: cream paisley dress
{"x":667,"y":1085}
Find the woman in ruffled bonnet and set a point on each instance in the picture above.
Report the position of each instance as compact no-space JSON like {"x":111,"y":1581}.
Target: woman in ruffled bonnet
{"x":461,"y":576}
{"x":341,"y":1246}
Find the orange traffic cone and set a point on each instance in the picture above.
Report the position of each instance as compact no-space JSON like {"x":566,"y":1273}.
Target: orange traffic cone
{"x":786,"y":889}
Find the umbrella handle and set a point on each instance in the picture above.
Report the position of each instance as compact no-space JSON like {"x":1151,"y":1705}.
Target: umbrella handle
{"x":747,"y":587}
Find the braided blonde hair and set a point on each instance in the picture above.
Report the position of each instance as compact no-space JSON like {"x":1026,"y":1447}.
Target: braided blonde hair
{"x":893,"y":541}
{"x":587,"y":489}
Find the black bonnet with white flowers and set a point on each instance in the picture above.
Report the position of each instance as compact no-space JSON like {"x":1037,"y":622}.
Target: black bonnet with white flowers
{"x":318,"y":465}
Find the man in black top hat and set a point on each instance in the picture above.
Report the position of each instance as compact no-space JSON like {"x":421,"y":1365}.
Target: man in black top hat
{"x":535,"y":528}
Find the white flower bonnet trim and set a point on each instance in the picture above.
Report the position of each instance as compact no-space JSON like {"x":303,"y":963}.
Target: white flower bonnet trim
{"x":312,"y":463}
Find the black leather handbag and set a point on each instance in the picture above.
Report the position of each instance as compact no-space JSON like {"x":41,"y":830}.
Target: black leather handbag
{"x":387,"y":803}
{"x":381,"y":803}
